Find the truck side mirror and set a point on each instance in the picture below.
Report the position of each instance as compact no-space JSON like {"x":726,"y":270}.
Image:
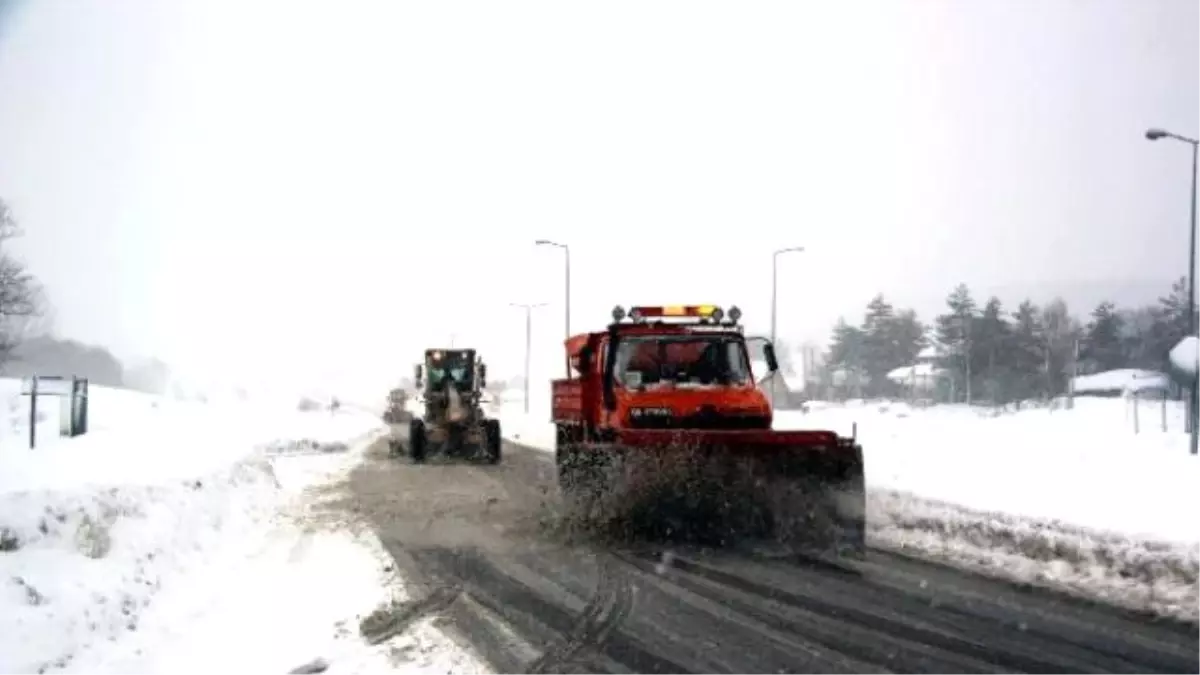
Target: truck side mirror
{"x":417,"y":372}
{"x":585,"y":360}
{"x":482,"y":376}
{"x":769,"y":355}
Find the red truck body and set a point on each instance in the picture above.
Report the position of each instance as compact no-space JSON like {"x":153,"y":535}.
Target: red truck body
{"x":650,"y":397}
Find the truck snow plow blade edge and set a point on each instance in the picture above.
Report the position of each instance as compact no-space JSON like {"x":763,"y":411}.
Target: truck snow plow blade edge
{"x":764,"y":439}
{"x":810,"y":482}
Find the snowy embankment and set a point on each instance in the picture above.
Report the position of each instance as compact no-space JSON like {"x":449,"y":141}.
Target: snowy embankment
{"x":1074,"y":499}
{"x":173,"y":537}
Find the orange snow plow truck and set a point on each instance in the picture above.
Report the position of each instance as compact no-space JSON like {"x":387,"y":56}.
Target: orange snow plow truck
{"x":662,"y":423}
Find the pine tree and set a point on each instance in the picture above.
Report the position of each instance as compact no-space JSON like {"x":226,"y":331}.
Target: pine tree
{"x":846,"y":352}
{"x":1102,"y":347}
{"x":908,"y":337}
{"x":1058,"y":336}
{"x":1027,"y":357}
{"x":1139,"y":330}
{"x":1174,"y":313}
{"x":1169,"y":326}
{"x":955,"y":332}
{"x":992,"y":350}
{"x":877,"y":342}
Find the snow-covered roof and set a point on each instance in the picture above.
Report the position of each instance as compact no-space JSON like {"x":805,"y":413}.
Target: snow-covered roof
{"x":918,"y":371}
{"x":930,"y":352}
{"x":1121,"y":379}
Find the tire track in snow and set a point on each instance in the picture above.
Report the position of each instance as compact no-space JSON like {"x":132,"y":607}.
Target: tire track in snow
{"x":609,"y":606}
{"x":890,"y":629}
{"x":523,"y":608}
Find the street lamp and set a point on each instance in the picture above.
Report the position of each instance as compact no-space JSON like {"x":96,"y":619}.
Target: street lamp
{"x":1194,"y":399}
{"x":528,"y":342}
{"x":567,"y":305}
{"x":774,"y":301}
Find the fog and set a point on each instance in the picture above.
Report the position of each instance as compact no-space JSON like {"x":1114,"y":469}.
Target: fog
{"x":314,"y":192}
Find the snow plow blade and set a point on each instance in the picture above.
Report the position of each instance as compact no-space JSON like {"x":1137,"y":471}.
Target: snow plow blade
{"x":801,"y":488}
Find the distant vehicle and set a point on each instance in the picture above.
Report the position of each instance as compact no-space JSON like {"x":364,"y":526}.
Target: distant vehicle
{"x":453,"y":421}
{"x":664,"y":398}
{"x":397,"y":406}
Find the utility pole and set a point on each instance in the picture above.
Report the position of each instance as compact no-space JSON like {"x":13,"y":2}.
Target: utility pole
{"x":966,"y":322}
{"x":775,"y":302}
{"x":567,"y":303}
{"x":528,"y":342}
{"x":1194,"y":398}
{"x":1074,"y":374}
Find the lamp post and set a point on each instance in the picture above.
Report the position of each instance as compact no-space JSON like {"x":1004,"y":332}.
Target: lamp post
{"x":567,"y":304}
{"x":775,"y":301}
{"x":528,"y":342}
{"x":1194,"y":398}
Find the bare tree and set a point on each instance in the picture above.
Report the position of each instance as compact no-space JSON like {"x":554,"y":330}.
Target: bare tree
{"x":20,"y":294}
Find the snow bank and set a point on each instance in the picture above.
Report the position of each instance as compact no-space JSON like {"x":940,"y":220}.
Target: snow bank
{"x":84,"y":566}
{"x":1073,"y":499}
{"x":291,"y":595}
{"x":1140,"y":574}
{"x":1070,"y":498}
{"x":93,"y":529}
{"x":1084,"y":466}
{"x":535,"y":431}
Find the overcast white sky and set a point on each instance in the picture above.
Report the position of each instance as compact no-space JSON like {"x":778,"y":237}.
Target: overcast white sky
{"x":313,"y":190}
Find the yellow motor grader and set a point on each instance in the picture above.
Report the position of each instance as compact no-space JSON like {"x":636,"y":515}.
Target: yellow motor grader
{"x":450,"y":384}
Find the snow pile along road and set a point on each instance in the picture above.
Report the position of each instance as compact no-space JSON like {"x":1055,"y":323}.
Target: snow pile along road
{"x":119,"y":549}
{"x":1071,"y":499}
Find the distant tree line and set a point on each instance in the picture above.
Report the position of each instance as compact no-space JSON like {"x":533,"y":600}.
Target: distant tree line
{"x":990,"y":353}
{"x":47,"y":355}
{"x":25,"y":351}
{"x":20,"y":294}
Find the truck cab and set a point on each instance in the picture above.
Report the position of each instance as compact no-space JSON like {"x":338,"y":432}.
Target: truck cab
{"x":662,"y":368}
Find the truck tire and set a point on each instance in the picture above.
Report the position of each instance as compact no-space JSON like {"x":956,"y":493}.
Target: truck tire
{"x":416,"y":441}
{"x":493,"y":440}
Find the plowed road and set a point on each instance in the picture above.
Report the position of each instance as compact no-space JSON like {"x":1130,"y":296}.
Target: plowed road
{"x":482,"y":546}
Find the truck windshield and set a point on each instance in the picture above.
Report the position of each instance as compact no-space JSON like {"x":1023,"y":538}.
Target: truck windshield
{"x":689,"y":359}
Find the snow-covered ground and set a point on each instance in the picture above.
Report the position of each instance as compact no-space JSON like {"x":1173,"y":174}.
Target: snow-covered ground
{"x":175,"y":537}
{"x":1072,"y":497}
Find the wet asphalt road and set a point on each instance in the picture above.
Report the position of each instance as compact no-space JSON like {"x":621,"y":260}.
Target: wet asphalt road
{"x":484,"y":548}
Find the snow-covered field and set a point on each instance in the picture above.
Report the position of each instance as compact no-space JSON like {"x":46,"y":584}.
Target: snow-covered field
{"x":1073,"y":498}
{"x":173,"y":538}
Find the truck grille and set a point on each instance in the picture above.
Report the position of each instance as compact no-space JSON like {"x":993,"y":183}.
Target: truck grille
{"x":704,"y":419}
